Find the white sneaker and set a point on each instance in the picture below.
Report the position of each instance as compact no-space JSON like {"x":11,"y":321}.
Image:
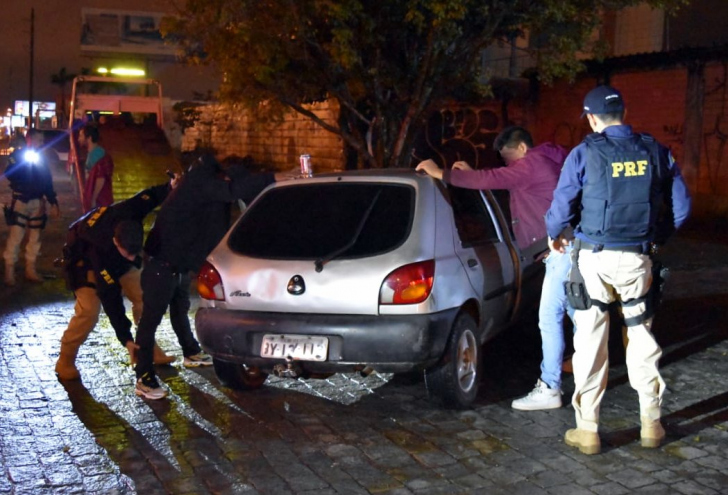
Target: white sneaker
{"x":148,"y":387}
{"x":541,"y":397}
{"x":199,"y":359}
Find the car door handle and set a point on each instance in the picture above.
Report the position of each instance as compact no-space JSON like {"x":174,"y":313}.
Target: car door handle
{"x":472,"y":263}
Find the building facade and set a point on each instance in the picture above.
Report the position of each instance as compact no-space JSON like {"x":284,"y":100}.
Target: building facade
{"x":70,"y":37}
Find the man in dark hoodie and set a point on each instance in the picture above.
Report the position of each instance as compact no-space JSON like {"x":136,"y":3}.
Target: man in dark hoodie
{"x":190,"y":223}
{"x":530,"y":176}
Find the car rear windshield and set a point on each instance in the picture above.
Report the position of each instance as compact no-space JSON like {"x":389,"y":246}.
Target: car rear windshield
{"x":325,"y":221}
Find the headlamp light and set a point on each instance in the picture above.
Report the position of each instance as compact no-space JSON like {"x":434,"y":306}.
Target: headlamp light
{"x":32,"y":157}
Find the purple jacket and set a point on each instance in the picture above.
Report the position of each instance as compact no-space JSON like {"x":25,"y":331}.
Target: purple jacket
{"x":530,"y":181}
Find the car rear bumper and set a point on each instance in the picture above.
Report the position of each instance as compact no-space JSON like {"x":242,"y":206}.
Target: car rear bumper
{"x":389,"y":343}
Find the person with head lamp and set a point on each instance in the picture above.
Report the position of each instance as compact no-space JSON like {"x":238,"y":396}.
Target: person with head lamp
{"x":32,"y":185}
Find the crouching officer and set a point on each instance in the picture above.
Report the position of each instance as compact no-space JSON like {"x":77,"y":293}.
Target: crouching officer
{"x":32,"y":184}
{"x":101,"y":264}
{"x":629,"y":192}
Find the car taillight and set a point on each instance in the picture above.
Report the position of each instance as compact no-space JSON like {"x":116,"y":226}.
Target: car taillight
{"x":209,"y":283}
{"x":409,"y":284}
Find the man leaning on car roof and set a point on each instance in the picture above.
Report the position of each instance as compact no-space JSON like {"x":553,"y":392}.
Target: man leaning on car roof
{"x":530,"y":177}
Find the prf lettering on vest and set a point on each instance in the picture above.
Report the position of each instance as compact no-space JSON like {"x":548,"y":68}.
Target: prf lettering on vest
{"x":107,"y":277}
{"x":629,"y":169}
{"x":91,"y":221}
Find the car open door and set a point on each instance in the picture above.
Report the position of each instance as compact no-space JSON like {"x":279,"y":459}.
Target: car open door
{"x":486,"y":252}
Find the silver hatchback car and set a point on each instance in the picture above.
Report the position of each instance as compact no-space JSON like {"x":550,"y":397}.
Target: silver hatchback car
{"x":386,"y":270}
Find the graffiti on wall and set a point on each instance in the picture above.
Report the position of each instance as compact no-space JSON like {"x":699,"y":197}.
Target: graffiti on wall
{"x":568,"y":135}
{"x":468,"y":134}
{"x":714,"y":140}
{"x":465,"y":133}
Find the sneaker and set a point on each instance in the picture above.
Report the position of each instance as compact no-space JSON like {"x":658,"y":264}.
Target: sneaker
{"x":199,"y":359}
{"x":148,"y":387}
{"x":541,"y":397}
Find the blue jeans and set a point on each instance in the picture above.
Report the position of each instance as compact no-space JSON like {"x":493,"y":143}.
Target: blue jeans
{"x":551,"y":312}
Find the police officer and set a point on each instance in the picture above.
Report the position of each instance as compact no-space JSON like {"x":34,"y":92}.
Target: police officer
{"x":101,"y":264}
{"x":630,"y":193}
{"x":31,"y":183}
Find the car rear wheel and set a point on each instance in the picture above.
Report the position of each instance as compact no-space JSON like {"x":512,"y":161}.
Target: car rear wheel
{"x":454,"y":380}
{"x":238,"y":376}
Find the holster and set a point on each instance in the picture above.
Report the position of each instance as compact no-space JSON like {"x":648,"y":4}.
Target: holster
{"x":660,"y":276}
{"x":575,"y":288}
{"x":12,"y":217}
{"x":76,"y":275}
{"x":653,"y":297}
{"x":8,"y":213}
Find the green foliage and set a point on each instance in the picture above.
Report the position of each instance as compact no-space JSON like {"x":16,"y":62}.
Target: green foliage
{"x":386,"y":63}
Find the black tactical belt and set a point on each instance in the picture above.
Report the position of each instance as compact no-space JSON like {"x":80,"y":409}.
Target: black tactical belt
{"x":637,"y":249}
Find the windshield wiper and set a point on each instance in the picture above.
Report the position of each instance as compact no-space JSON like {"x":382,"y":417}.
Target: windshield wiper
{"x":319,"y":263}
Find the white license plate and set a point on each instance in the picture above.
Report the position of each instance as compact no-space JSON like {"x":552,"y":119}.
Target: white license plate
{"x":296,"y":347}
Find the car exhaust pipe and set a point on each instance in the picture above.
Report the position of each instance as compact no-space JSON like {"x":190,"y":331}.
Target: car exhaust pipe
{"x":367,"y":371}
{"x":288,"y":370}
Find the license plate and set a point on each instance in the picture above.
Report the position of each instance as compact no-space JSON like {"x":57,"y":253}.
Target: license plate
{"x":295,"y":347}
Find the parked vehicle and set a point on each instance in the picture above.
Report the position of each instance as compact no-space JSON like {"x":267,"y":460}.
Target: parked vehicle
{"x":386,"y":270}
{"x":130,"y":119}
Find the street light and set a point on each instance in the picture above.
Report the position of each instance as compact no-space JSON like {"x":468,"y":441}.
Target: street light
{"x":122,"y":71}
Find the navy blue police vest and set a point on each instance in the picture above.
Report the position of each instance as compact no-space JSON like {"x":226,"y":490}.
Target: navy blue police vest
{"x":622,"y":193}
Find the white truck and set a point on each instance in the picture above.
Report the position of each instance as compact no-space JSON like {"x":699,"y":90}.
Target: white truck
{"x":129,"y":115}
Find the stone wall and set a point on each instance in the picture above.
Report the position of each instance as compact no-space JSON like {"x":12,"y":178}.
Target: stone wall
{"x":233,"y":131}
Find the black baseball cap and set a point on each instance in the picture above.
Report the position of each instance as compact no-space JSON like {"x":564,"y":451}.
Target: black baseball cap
{"x":603,"y":99}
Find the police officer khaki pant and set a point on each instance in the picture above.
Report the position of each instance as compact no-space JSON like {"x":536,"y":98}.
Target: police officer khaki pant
{"x":628,"y":276}
{"x":88,"y":309}
{"x":31,"y":209}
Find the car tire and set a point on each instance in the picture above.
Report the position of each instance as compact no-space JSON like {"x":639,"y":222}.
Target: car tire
{"x":454,"y":380}
{"x":238,"y":376}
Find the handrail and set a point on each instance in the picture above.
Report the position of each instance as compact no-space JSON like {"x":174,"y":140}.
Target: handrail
{"x":73,"y":155}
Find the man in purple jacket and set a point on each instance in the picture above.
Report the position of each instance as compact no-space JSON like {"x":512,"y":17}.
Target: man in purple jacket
{"x":530,"y":177}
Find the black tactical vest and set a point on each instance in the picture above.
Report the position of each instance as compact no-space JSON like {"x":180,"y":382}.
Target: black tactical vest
{"x":623,"y":188}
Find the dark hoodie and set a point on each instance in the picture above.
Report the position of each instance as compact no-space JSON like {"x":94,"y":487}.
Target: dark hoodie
{"x":530,"y":181}
{"x":195,"y":216}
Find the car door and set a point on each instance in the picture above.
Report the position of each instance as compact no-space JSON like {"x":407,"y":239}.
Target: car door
{"x":486,"y":255}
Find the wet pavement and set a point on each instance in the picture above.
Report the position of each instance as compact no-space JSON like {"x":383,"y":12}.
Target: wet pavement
{"x":350,"y":434}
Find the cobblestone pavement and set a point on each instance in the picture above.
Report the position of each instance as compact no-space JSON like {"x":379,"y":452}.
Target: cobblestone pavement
{"x":349,"y":434}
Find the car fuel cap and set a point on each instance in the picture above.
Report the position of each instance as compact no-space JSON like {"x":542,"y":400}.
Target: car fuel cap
{"x":296,"y":285}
